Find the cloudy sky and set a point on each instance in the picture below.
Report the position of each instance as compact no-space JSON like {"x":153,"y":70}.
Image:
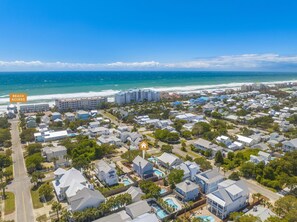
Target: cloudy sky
{"x":148,"y":35}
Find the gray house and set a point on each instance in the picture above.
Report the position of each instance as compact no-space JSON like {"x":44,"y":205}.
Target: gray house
{"x":137,"y":209}
{"x":85,"y":198}
{"x":56,"y":154}
{"x":209,"y":180}
{"x":290,"y":145}
{"x":187,"y":190}
{"x":142,"y":167}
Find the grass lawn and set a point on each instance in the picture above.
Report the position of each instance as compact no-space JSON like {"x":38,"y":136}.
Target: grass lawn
{"x":112,"y":117}
{"x":9,"y":203}
{"x":35,"y":199}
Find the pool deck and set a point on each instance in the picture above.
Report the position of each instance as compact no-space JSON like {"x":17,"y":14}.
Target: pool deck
{"x":201,"y":211}
{"x":205,"y":212}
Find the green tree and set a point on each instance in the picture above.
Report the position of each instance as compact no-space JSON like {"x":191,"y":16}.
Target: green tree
{"x":33,"y":148}
{"x":175,"y":176}
{"x":286,"y":206}
{"x":201,"y":128}
{"x":167,"y":148}
{"x":57,"y":207}
{"x":203,"y":163}
{"x":219,"y":159}
{"x":33,"y":162}
{"x":150,"y":189}
{"x":234,"y":176}
{"x":45,"y":191}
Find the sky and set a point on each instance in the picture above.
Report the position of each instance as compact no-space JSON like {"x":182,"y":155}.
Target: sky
{"x":148,"y":35}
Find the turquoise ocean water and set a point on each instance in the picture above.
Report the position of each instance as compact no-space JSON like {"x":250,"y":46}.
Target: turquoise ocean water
{"x":43,"y":86}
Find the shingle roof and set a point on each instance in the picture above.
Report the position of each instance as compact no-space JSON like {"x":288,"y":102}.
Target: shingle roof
{"x":187,"y":186}
{"x":138,"y":208}
{"x":83,"y":196}
{"x":140,"y":160}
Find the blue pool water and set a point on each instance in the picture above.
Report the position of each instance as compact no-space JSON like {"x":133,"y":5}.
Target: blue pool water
{"x":163,"y":191}
{"x":171,"y":203}
{"x":158,"y":173}
{"x":207,"y":218}
{"x":152,"y":159}
{"x":126,"y":182}
{"x":159,"y":211}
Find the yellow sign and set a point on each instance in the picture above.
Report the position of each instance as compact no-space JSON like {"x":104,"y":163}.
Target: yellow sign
{"x":18,"y":97}
{"x":143,"y":145}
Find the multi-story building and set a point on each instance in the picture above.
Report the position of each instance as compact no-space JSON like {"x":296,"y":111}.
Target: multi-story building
{"x":106,"y":173}
{"x":137,"y":95}
{"x":230,"y":196}
{"x":209,"y":180}
{"x":34,"y":108}
{"x":86,"y":103}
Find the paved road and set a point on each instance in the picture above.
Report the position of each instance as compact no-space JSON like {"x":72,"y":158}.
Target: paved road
{"x":255,"y":187}
{"x":21,"y":184}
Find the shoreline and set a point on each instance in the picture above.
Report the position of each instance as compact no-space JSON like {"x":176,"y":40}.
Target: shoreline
{"x":49,"y":98}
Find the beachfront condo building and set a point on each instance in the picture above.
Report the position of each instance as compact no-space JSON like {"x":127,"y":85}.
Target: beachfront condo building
{"x":34,"y":108}
{"x":85,"y":103}
{"x":136,"y":96}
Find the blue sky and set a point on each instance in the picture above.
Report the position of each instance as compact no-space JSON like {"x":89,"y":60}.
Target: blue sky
{"x":148,"y":34}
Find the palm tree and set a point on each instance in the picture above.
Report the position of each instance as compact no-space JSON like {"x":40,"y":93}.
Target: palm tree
{"x":56,"y":206}
{"x":3,"y":187}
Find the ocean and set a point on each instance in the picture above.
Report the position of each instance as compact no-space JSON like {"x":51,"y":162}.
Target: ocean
{"x":46,"y":86}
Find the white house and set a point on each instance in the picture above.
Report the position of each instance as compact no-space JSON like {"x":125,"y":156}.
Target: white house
{"x":228,"y":198}
{"x":56,"y":116}
{"x":261,"y":157}
{"x":106,"y":173}
{"x":190,"y":169}
{"x":67,"y":183}
{"x":168,"y":160}
{"x":246,"y":140}
{"x":224,"y":139}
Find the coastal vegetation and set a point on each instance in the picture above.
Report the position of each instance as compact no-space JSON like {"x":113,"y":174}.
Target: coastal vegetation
{"x":276,"y":174}
{"x":83,"y":150}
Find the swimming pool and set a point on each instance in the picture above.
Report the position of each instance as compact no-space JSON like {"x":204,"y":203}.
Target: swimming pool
{"x":207,"y":218}
{"x":152,"y":159}
{"x":159,"y":211}
{"x":172,"y":203}
{"x":125,"y":180}
{"x":163,"y":190}
{"x":158,"y":173}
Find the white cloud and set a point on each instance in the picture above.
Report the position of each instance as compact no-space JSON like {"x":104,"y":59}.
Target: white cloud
{"x":230,"y":62}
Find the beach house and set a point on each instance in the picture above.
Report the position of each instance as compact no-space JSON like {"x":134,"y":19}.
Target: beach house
{"x":168,"y":160}
{"x":85,"y":198}
{"x":142,"y":167}
{"x":187,"y":190}
{"x":231,"y":196}
{"x":56,"y":154}
{"x":209,"y":180}
{"x":106,"y":173}
{"x":67,"y":183}
{"x":290,"y":145}
{"x":82,"y":115}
